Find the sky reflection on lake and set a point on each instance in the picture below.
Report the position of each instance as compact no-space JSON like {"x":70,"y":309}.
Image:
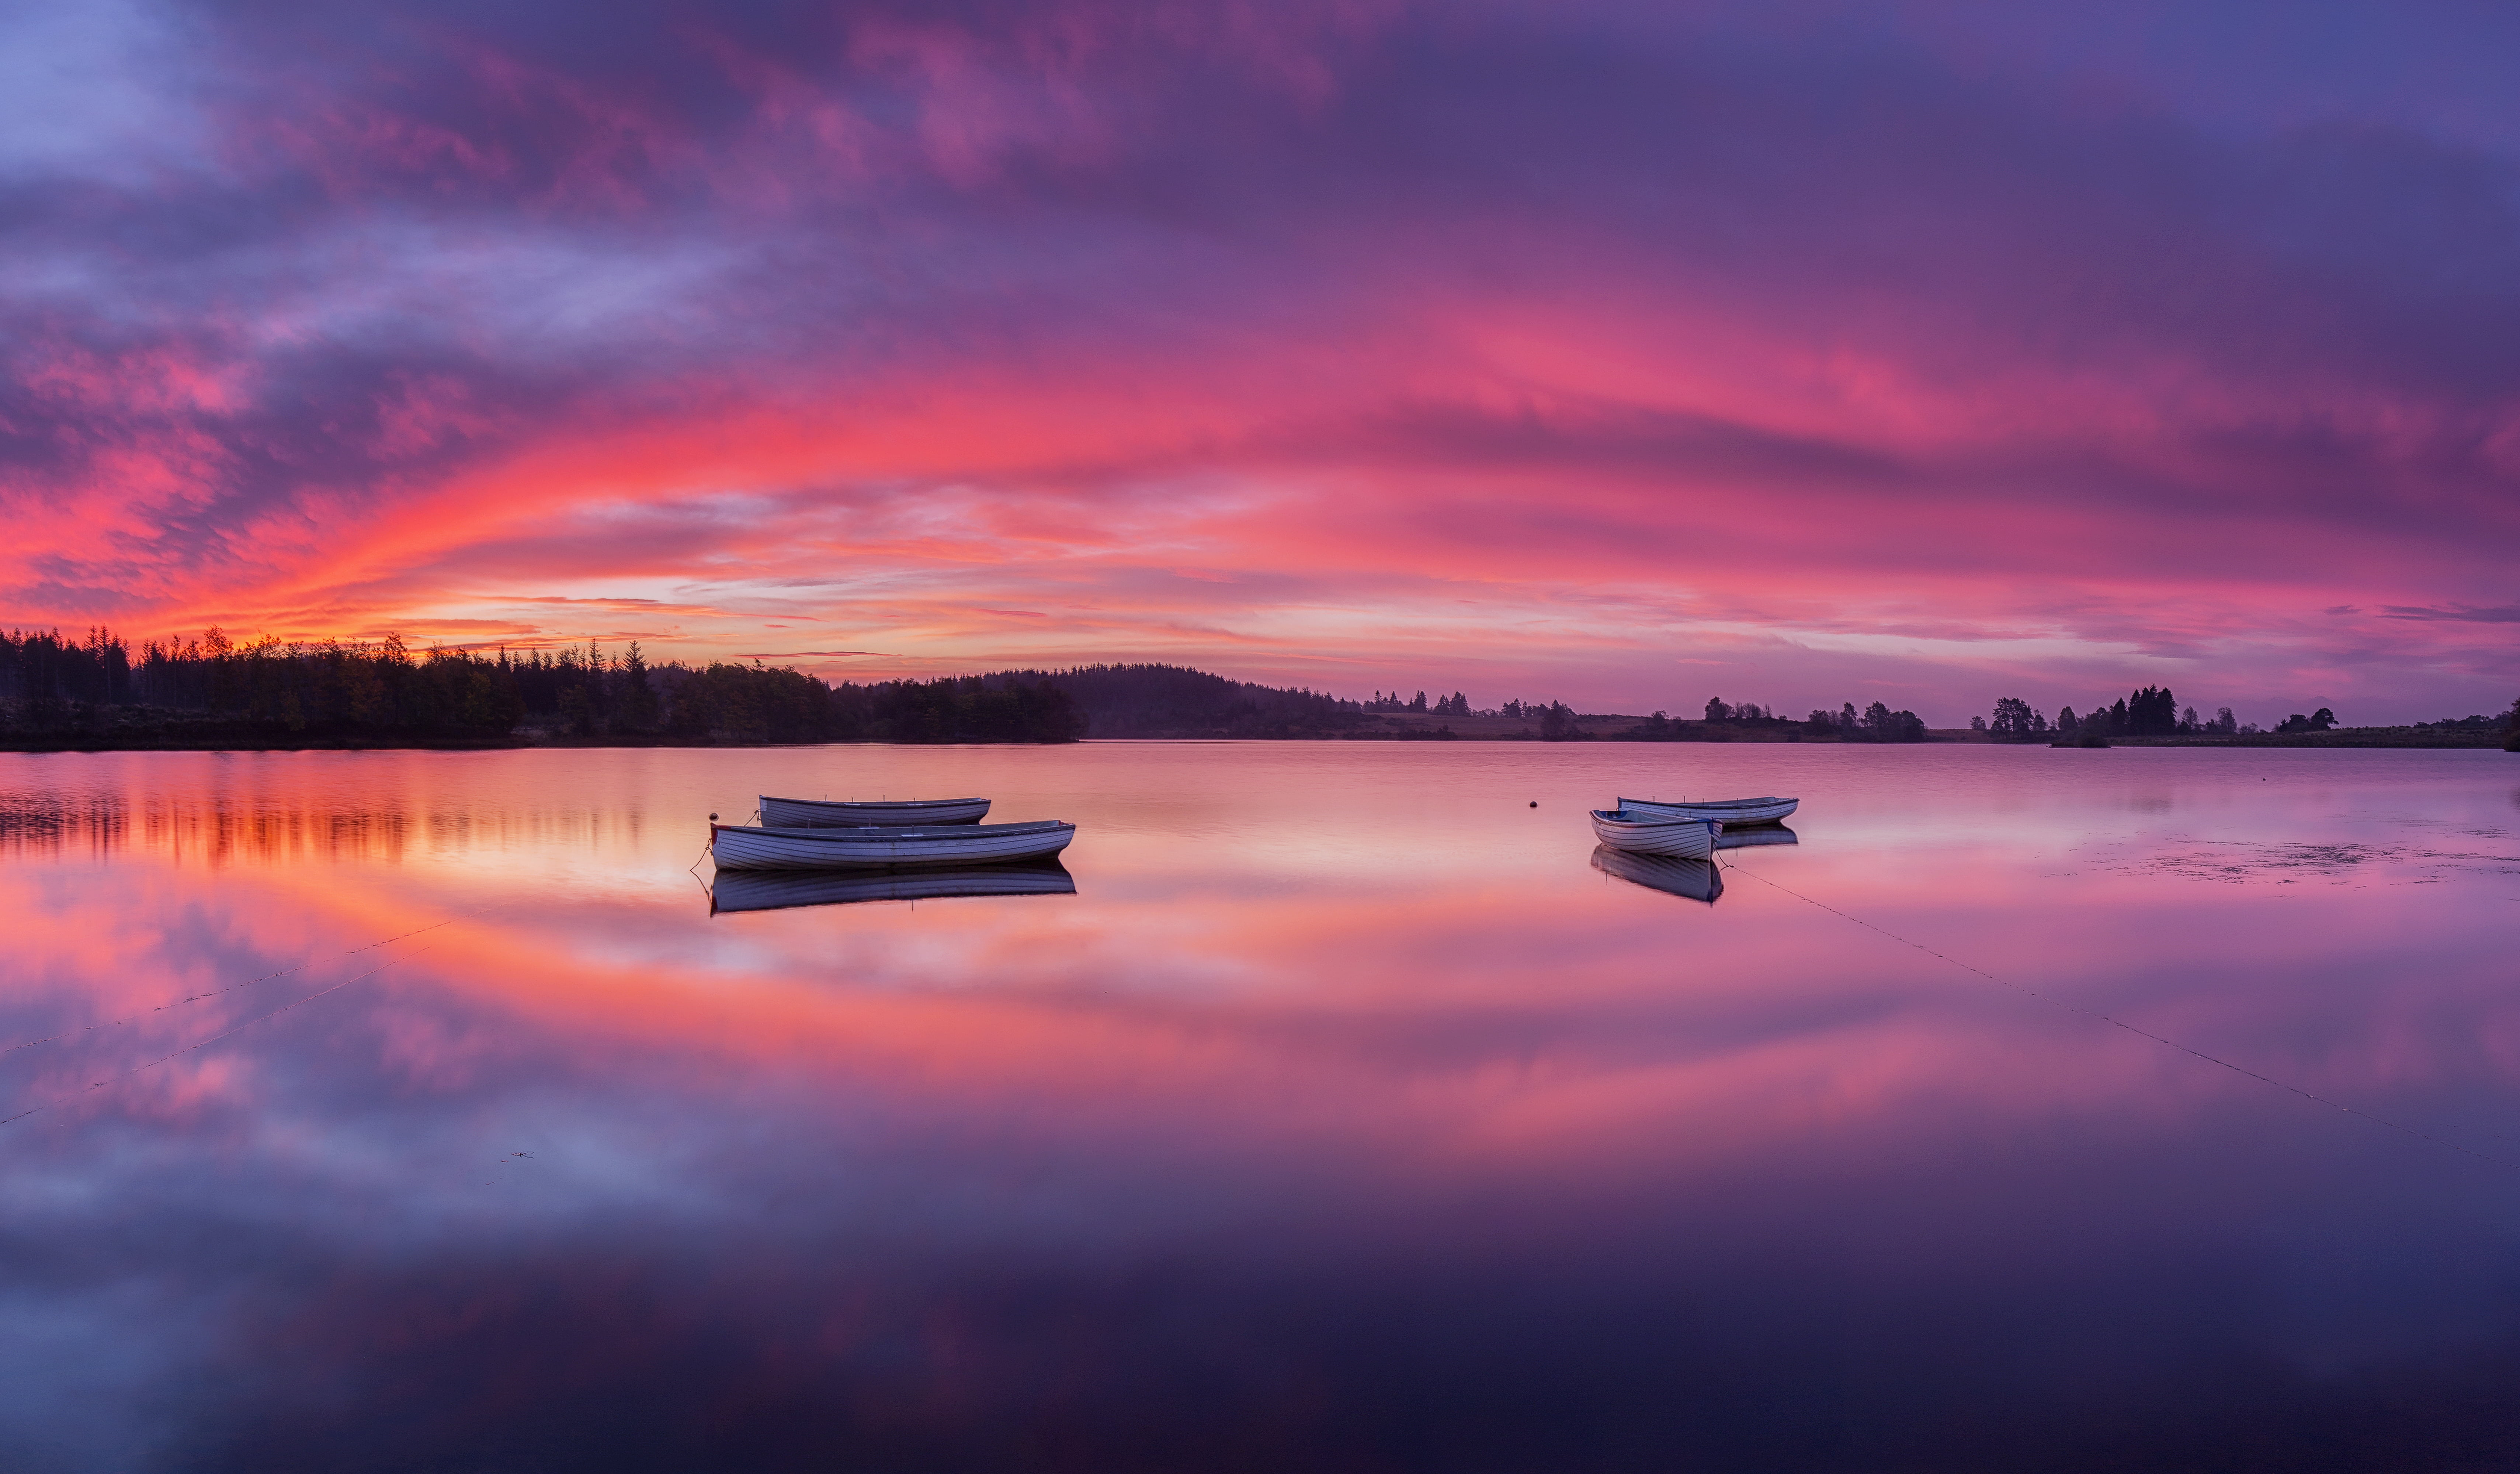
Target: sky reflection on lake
{"x":1344,"y":1116}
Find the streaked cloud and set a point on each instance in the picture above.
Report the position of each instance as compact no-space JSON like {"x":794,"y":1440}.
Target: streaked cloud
{"x":1597,"y":350}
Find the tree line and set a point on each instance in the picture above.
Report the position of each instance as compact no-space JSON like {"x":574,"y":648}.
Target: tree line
{"x":266,"y":690}
{"x":2153,"y":711}
{"x":216,"y":690}
{"x":1877,"y":722}
{"x":1454,"y":705}
{"x":2150,"y":711}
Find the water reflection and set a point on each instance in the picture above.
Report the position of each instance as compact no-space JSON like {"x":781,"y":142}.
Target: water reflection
{"x":1755,"y":839}
{"x":780,"y":890}
{"x":220,"y":830}
{"x":1343,"y":1118}
{"x":1693,"y":879}
{"x":223,"y":825}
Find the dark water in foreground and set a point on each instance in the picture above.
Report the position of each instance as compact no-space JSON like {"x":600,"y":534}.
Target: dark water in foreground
{"x":1344,"y":1118}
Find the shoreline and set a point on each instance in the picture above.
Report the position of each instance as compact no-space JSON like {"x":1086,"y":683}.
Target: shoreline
{"x":2365,"y":738}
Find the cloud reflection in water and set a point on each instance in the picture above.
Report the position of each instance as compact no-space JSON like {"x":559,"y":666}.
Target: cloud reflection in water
{"x":1343,"y":1117}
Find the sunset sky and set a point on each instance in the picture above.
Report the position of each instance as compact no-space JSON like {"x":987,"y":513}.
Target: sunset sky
{"x":1621,"y":353}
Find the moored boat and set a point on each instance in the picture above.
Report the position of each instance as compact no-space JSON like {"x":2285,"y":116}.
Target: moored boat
{"x":777,"y":890}
{"x":1692,"y":879}
{"x":1655,"y":834}
{"x":1732,"y":813}
{"x":812,"y":812}
{"x":744,"y":847}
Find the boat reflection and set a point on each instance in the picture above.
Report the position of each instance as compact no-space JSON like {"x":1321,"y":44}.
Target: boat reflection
{"x":1695,"y":879}
{"x":777,"y":890}
{"x":1752,"y":839}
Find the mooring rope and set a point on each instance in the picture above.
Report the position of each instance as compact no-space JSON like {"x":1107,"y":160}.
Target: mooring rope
{"x":2140,"y":1032}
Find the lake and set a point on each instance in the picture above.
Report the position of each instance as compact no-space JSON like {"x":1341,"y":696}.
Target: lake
{"x":408,"y":1110}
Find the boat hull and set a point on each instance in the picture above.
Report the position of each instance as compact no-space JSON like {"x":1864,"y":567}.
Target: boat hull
{"x":1679,"y":838}
{"x":811,"y":813}
{"x":741,"y":847}
{"x":778,"y":890}
{"x":1731,"y":813}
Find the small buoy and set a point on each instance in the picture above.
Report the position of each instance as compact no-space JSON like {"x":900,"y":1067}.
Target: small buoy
{"x":1535,"y":803}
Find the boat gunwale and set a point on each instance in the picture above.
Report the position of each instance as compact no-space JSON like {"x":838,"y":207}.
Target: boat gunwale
{"x":876,"y":833}
{"x":775,"y":813}
{"x":875,"y":803}
{"x":1743,"y":812}
{"x":876,"y":848}
{"x":1711,"y":803}
{"x":1620,"y":816}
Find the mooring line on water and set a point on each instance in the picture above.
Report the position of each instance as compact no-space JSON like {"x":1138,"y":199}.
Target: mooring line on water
{"x":114,"y":1023}
{"x":2142,"y":1033}
{"x":232,"y":1029}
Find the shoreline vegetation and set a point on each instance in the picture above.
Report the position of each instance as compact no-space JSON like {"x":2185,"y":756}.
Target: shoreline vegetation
{"x":2152,"y":717}
{"x":214,"y":694}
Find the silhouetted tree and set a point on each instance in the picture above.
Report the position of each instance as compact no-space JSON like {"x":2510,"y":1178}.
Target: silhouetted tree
{"x":635,"y":708}
{"x":2151,"y":712}
{"x":1879,"y":724}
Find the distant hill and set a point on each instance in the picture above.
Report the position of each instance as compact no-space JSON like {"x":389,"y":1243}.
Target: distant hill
{"x":1177,"y":702}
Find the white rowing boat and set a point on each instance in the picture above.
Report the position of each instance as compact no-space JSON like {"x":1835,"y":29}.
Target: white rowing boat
{"x":1655,"y":834}
{"x":809,"y":812}
{"x":744,"y":847}
{"x":1731,"y":813}
{"x":1690,"y":879}
{"x":777,"y":890}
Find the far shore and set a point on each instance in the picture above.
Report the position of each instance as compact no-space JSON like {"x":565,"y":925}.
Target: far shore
{"x":238,"y":736}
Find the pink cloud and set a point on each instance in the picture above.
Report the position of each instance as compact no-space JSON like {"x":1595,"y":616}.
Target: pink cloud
{"x":1283,"y":348}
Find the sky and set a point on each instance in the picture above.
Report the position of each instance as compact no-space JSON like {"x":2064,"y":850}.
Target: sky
{"x":1626,"y":354}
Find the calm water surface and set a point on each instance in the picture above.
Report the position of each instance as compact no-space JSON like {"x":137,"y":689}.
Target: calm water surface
{"x":1346,"y":1117}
